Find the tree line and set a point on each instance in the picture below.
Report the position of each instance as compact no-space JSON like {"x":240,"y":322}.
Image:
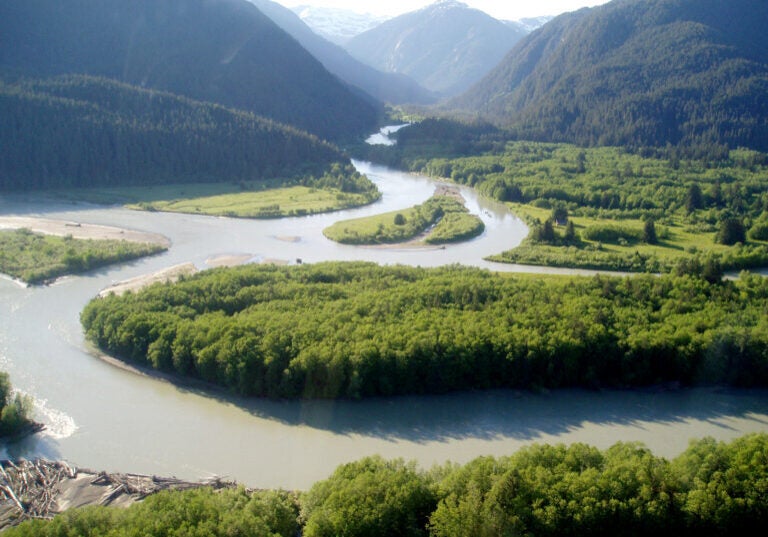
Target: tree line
{"x":711,"y":489}
{"x":357,"y":330}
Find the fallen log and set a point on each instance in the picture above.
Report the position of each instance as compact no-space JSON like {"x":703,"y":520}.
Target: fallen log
{"x":42,"y":489}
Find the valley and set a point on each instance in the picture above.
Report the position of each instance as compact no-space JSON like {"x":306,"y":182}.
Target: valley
{"x":532,"y":303}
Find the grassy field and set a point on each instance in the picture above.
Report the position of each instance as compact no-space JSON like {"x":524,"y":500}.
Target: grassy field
{"x":676,"y":241}
{"x":243,"y":200}
{"x":440,"y":220}
{"x":36,"y":258}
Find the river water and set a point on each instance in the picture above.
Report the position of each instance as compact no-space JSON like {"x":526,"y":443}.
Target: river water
{"x":102,"y":417}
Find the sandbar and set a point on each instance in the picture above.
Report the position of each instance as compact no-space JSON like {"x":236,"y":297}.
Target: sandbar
{"x":79,"y":230}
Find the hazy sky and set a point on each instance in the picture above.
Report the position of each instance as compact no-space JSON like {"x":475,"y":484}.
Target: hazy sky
{"x":501,"y":9}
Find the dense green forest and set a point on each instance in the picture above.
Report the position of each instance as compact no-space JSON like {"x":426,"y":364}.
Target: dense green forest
{"x":76,"y":131}
{"x":15,"y":410}
{"x":636,"y":73}
{"x":220,"y":51}
{"x":705,"y":202}
{"x":711,"y":489}
{"x":443,"y":218}
{"x":358,"y":330}
{"x":37,"y":258}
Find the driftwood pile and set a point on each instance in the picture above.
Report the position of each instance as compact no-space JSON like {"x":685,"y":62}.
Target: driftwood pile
{"x":41,"y":489}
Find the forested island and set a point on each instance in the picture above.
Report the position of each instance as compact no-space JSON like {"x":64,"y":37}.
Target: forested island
{"x":441,"y":219}
{"x":712,"y":488}
{"x":355,"y":330}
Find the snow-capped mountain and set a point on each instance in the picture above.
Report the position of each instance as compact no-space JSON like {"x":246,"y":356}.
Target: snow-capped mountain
{"x":337,"y":25}
{"x":530,"y":24}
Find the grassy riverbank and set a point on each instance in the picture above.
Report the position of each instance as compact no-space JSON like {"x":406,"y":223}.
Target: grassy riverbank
{"x":340,"y":188}
{"x":676,"y":243}
{"x":441,"y":219}
{"x":36,"y":258}
{"x":708,"y":206}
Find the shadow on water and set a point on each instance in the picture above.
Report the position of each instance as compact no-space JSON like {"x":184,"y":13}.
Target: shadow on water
{"x":508,"y":414}
{"x":37,"y":446}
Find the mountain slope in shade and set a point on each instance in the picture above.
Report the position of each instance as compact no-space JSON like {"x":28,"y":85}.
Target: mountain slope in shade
{"x":337,"y":25}
{"x":446,"y":47}
{"x":83,"y":131}
{"x":637,"y":72}
{"x":385,"y":87}
{"x":224,"y":51}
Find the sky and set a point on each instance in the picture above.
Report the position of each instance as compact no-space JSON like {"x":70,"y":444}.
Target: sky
{"x":500,"y":9}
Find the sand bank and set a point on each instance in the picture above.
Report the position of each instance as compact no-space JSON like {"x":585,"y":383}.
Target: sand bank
{"x":170,"y":274}
{"x":79,"y":230}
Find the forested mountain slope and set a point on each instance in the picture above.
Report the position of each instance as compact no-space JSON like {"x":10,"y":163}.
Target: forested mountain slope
{"x":637,"y":72}
{"x":224,"y":51}
{"x":84,"y":131}
{"x":392,"y":88}
{"x":446,"y":46}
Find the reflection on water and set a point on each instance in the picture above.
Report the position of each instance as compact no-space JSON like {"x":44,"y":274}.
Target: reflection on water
{"x":103,"y":417}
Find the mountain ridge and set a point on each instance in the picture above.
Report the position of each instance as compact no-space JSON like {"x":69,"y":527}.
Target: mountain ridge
{"x":635,"y":72}
{"x":224,"y":51}
{"x":445,"y":47}
{"x":391,"y":88}
{"x":82,"y":131}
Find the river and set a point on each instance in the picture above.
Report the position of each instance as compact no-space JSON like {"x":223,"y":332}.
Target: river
{"x":102,"y":417}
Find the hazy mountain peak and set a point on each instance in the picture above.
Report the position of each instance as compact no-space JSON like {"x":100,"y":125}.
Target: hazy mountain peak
{"x":447,"y":4}
{"x":335,"y":24}
{"x":446,"y":46}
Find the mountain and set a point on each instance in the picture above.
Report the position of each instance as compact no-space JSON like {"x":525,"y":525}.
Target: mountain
{"x":83,"y":131}
{"x":637,"y":72}
{"x":223,"y":51}
{"x":529,"y":24}
{"x":392,"y":88}
{"x":337,"y":25}
{"x":446,"y":47}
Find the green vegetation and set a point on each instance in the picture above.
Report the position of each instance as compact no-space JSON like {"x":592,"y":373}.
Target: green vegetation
{"x":442,"y":218}
{"x":358,"y":330}
{"x":77,"y":131}
{"x":712,"y":489}
{"x":37,"y":258}
{"x":199,"y":512}
{"x":369,"y":497}
{"x":220,"y":51}
{"x":341,"y":187}
{"x":635,"y":73}
{"x":701,"y":206}
{"x":14,"y":410}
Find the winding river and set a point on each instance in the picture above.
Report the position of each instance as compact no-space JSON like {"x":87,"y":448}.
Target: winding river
{"x":102,"y":417}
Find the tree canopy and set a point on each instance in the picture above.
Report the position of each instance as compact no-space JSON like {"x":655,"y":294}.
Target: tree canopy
{"x":357,"y":330}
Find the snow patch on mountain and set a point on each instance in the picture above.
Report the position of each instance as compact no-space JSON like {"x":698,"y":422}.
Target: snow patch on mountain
{"x":337,"y":25}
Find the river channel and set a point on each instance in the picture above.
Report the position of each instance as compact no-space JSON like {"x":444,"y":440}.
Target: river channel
{"x":102,"y":417}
